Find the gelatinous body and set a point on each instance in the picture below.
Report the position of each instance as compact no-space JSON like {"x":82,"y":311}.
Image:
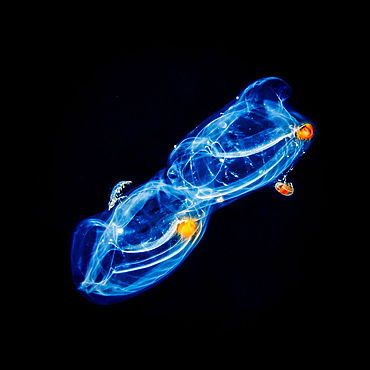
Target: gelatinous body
{"x":145,"y":234}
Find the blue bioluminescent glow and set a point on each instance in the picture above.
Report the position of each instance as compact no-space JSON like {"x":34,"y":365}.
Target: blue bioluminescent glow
{"x":145,"y":234}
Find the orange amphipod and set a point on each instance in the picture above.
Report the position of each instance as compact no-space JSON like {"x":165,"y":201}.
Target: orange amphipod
{"x":305,"y":132}
{"x":187,"y":228}
{"x":284,"y":188}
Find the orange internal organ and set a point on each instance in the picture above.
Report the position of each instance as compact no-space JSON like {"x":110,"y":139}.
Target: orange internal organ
{"x":305,"y":132}
{"x":187,"y":228}
{"x":284,"y":188}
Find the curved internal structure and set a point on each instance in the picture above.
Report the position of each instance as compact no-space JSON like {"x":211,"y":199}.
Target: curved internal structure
{"x":146,"y":233}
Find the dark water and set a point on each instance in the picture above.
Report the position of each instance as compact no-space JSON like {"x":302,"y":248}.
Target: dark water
{"x":115,"y":114}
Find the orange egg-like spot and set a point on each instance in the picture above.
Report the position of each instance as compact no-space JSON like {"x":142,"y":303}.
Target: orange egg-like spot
{"x":284,"y":188}
{"x":305,"y":132}
{"x":187,"y":228}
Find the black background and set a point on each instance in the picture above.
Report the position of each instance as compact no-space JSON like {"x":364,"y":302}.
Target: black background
{"x":115,"y":108}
